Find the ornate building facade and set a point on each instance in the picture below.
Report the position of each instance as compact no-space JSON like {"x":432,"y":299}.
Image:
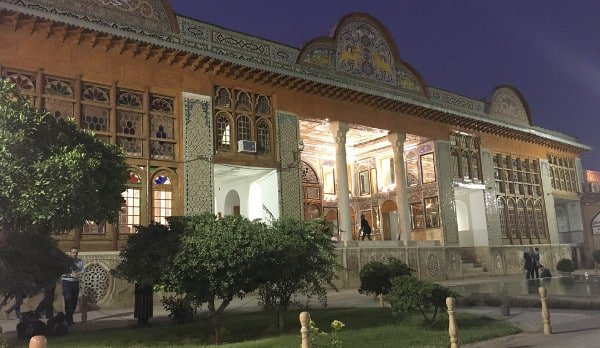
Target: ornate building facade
{"x":219,"y":121}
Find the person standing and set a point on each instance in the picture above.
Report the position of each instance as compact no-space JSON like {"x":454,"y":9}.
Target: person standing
{"x":16,"y":307}
{"x":70,"y":285}
{"x":535,"y":255}
{"x":365,"y":228}
{"x":528,"y":263}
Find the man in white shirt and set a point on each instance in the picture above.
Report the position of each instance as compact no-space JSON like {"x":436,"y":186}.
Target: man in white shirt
{"x":70,"y":285}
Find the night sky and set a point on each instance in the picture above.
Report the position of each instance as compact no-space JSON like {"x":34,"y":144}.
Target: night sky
{"x":547,"y":49}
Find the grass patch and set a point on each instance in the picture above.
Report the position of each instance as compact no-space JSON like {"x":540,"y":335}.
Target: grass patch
{"x":374,"y":327}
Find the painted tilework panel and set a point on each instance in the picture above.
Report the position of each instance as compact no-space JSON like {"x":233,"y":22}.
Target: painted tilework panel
{"x":491,"y":208}
{"x":148,"y":15}
{"x":549,"y":200}
{"x":290,"y":185}
{"x":579,"y":170}
{"x":198,"y":157}
{"x":446,"y":191}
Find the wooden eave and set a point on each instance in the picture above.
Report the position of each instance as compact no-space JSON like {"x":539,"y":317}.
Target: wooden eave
{"x":182,"y":59}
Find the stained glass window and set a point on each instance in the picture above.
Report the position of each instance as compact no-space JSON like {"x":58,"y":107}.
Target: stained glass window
{"x":162,"y":198}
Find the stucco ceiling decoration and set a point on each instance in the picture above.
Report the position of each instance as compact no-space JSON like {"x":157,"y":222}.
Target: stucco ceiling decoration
{"x":361,"y":46}
{"x":318,"y":140}
{"x":507,"y":104}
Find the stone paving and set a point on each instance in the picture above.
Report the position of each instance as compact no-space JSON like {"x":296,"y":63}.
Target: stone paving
{"x":571,"y":327}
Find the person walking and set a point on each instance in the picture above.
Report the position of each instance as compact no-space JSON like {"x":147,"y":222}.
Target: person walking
{"x":365,"y":227}
{"x":70,"y":285}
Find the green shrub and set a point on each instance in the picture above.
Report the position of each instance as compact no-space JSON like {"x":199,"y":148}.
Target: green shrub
{"x":376,"y":276}
{"x":181,"y":310}
{"x":409,"y":293}
{"x":565,"y":265}
{"x":596,"y":256}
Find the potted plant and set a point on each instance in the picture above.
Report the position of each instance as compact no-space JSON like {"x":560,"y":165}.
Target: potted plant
{"x":565,"y":266}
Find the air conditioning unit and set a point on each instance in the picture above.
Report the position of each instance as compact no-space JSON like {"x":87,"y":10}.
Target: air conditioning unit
{"x":248,"y":146}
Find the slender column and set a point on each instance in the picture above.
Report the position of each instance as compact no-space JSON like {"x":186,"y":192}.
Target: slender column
{"x":403,"y":233}
{"x":339,"y":130}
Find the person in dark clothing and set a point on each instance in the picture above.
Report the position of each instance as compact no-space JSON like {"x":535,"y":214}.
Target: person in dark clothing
{"x":143,"y":305}
{"x":545,"y":272}
{"x":529,"y":265}
{"x":535,"y":255}
{"x":364,"y":227}
{"x":46,"y":305}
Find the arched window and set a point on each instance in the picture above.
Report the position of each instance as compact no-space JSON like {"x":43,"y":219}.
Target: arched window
{"x":243,"y":128}
{"x":474,"y":166}
{"x":263,"y":136}
{"x":521,"y":225}
{"x":263,"y":105}
{"x":531,"y":230}
{"x":162,"y":197}
{"x":222,"y":98}
{"x":502,"y":212}
{"x":539,"y":216}
{"x":464,"y":166}
{"x":243,"y":101}
{"x":512,"y":220}
{"x":223,"y":127}
{"x":130,"y":213}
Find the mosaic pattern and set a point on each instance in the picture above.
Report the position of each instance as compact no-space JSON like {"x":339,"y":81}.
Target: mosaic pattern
{"x":433,"y":266}
{"x":318,"y":54}
{"x":361,"y":50}
{"x":96,"y":281}
{"x":149,"y":15}
{"x":290,"y":187}
{"x":507,"y":104}
{"x":491,"y":207}
{"x":198,"y":167}
{"x":549,"y":201}
{"x":455,"y":101}
{"x":446,"y":191}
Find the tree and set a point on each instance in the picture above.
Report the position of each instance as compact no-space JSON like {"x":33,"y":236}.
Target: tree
{"x":145,"y":257}
{"x":217,"y":260}
{"x":301,"y":259}
{"x":54,"y":177}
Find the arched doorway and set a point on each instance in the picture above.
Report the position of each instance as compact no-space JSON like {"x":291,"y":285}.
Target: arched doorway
{"x":311,"y":189}
{"x":232,"y":203}
{"x":389,"y":220}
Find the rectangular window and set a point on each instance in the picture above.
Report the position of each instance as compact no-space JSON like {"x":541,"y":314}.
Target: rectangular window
{"x":387,"y":171}
{"x":91,"y":227}
{"x":416,"y":216}
{"x":328,"y":180}
{"x":412,"y":173}
{"x":432,"y":209}
{"x":161,"y":205}
{"x":130,"y":212}
{"x":428,"y":168}
{"x":364,"y":183}
{"x":374,"y":180}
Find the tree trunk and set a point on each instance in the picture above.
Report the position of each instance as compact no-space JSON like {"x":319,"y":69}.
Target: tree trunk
{"x":281,"y":317}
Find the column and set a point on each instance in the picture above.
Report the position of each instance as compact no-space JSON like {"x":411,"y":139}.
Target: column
{"x":339,"y":130}
{"x":403,"y":233}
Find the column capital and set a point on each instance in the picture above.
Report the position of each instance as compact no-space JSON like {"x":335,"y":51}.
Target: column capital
{"x":339,"y":130}
{"x":397,"y":140}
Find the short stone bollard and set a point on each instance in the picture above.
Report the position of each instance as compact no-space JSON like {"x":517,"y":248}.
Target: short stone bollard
{"x":305,"y":330}
{"x":84,"y":308}
{"x":38,"y":342}
{"x":452,"y":330}
{"x":545,"y":312}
